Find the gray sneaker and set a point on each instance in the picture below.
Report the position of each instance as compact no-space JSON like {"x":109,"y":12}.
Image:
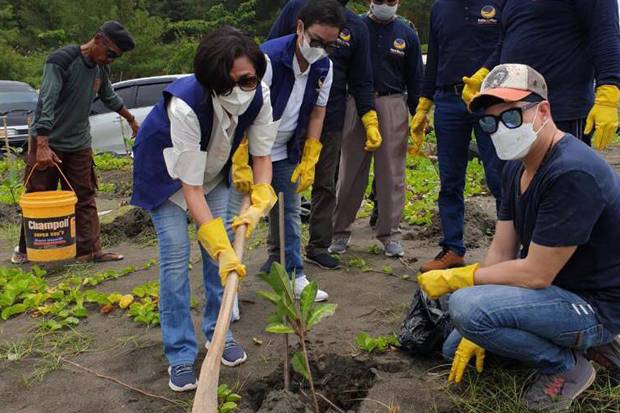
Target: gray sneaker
{"x":608,"y":356}
{"x":556,"y":392}
{"x":393,"y":249}
{"x":339,"y":246}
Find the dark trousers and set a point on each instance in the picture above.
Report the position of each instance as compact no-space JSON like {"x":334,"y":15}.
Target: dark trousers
{"x":454,"y":125}
{"x":79,"y":168}
{"x":324,"y":195}
{"x":575,"y":128}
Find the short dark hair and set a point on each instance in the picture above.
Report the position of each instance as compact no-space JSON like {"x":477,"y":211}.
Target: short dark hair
{"x":327,"y":12}
{"x":216,"y":56}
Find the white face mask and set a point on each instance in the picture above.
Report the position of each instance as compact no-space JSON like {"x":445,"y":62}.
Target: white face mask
{"x":237,"y":102}
{"x":383,"y":12}
{"x":512,"y":144}
{"x":311,"y":54}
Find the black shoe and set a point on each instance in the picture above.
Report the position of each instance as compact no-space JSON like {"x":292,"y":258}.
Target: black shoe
{"x":266,"y":267}
{"x":324,"y":261}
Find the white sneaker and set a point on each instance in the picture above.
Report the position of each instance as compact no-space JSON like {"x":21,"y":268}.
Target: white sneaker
{"x":300,"y":284}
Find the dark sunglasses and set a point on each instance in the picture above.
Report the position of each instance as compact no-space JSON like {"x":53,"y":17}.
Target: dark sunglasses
{"x":111,"y":54}
{"x":512,"y":118}
{"x":328,"y":47}
{"x":245,"y":83}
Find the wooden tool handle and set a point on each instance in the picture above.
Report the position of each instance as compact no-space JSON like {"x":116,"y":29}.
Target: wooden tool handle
{"x":205,"y":400}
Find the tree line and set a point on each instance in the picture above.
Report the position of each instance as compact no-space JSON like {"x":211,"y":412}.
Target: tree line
{"x":166,"y":31}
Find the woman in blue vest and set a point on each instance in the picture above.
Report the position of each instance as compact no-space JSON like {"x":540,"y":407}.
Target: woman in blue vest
{"x":299,"y":74}
{"x":182,"y":157}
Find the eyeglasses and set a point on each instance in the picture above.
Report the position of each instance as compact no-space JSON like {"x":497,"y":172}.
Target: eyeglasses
{"x":110,"y":53}
{"x":512,"y":118}
{"x":246,"y":83}
{"x":328,"y":47}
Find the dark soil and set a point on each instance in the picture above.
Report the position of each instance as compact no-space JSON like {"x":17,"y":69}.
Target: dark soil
{"x":134,"y":223}
{"x":479,"y":224}
{"x":9,"y":214}
{"x":121,"y":180}
{"x":342,"y":380}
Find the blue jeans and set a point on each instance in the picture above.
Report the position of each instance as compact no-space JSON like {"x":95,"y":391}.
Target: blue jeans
{"x":538,"y":327}
{"x":281,"y":182}
{"x":177,"y":328}
{"x":454,"y":125}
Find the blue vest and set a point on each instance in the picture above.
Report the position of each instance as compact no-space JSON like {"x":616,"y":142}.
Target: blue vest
{"x":281,"y":52}
{"x":152,"y":185}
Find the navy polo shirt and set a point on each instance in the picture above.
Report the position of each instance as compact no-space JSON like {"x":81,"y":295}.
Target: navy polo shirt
{"x":351,"y":63}
{"x":570,"y":42}
{"x":463,"y":34}
{"x":396,"y":59}
{"x":573,"y":200}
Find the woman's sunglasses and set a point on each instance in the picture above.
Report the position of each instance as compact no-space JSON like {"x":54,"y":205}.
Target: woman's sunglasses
{"x":328,"y":47}
{"x":512,"y":118}
{"x":245,"y":83}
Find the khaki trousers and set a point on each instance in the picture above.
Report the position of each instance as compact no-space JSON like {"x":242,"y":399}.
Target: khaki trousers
{"x":389,"y":163}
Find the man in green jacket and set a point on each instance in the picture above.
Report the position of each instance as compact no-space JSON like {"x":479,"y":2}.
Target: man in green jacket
{"x":72,"y":77}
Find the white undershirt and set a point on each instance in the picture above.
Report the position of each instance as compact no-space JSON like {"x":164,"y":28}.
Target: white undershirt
{"x":185,"y":161}
{"x":290,"y":116}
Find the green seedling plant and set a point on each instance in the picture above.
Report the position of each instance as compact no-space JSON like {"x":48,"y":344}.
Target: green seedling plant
{"x":228,"y":400}
{"x":379,"y":344}
{"x":11,"y":183}
{"x":293,"y":316}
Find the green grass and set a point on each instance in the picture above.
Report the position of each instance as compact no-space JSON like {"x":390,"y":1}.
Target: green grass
{"x":500,"y":390}
{"x":110,"y":162}
{"x":10,"y":233}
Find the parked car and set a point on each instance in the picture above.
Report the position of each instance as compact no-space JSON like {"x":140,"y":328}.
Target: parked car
{"x":17,"y":101}
{"x":139,"y":95}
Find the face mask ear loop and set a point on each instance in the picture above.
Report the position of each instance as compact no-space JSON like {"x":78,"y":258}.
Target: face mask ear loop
{"x":543,"y":125}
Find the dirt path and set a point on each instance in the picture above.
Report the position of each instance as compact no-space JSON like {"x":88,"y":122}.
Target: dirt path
{"x":115,"y":346}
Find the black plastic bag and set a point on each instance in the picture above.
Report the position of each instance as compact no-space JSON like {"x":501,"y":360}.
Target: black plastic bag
{"x":426,"y":326}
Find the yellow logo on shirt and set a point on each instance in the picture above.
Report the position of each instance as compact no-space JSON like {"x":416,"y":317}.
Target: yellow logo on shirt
{"x":488,"y":12}
{"x":345,"y":35}
{"x":400,"y":44}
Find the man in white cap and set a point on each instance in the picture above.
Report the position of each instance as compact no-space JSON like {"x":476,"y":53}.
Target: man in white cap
{"x":549,"y":289}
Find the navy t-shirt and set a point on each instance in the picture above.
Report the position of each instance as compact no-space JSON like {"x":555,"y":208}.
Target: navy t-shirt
{"x":573,"y":200}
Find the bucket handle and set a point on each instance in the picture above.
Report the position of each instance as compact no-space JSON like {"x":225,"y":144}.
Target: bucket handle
{"x":34,"y":168}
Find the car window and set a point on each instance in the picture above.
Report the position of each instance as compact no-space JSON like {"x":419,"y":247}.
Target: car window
{"x":149,"y":95}
{"x":25,"y":99}
{"x":127,"y":93}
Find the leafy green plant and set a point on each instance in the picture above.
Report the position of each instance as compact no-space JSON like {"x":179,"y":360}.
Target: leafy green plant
{"x":110,"y":162}
{"x":379,"y":344}
{"x":294,"y":317}
{"x":11,"y":177}
{"x":228,"y":400}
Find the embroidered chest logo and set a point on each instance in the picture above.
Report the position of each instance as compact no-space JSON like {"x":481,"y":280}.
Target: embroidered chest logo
{"x":488,"y":15}
{"x":344,"y":38}
{"x":399,"y":47}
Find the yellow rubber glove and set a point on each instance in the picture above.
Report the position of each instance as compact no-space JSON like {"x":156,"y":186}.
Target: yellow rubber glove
{"x":472,"y":84}
{"x":242,"y":176}
{"x":373,"y":136}
{"x":263,"y":199}
{"x":441,"y":282}
{"x":213,"y":237}
{"x":603,"y":117}
{"x":418,"y":126}
{"x":464,"y":352}
{"x":304,"y":172}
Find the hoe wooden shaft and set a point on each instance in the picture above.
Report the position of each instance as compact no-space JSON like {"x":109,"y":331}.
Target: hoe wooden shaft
{"x":205,"y":400}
